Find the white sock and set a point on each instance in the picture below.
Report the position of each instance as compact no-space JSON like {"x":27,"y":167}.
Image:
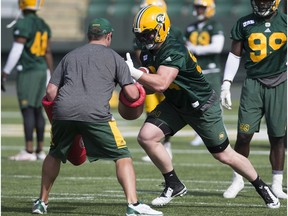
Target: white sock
{"x":277,"y":179}
{"x":237,"y":176}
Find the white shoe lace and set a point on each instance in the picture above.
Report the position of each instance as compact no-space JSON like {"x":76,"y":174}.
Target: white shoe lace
{"x":275,"y":201}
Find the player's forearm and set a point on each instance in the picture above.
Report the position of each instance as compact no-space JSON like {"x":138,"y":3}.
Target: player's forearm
{"x":154,"y":82}
{"x":49,"y":59}
{"x":14,"y":56}
{"x":215,"y":47}
{"x":51,"y":92}
{"x":231,"y":67}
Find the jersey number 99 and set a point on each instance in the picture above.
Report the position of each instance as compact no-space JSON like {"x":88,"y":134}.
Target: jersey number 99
{"x":258,"y":43}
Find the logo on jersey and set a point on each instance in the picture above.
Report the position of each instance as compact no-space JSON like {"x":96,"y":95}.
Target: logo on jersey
{"x":168,"y":59}
{"x":145,"y":57}
{"x":221,"y":136}
{"x":17,"y":32}
{"x":267,"y":30}
{"x":249,"y":22}
{"x":244,"y":127}
{"x":195,"y":104}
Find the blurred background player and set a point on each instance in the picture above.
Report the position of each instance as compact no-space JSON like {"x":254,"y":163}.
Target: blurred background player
{"x":152,"y":100}
{"x":205,"y":39}
{"x":262,"y":34}
{"x":32,"y":55}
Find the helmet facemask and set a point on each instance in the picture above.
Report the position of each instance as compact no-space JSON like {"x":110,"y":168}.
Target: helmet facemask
{"x":207,"y":7}
{"x":147,"y":38}
{"x":263,"y":8}
{"x":202,"y":16}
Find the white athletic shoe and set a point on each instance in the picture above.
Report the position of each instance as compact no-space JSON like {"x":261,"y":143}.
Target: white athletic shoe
{"x":279,"y":192}
{"x":197,"y":141}
{"x":24,"y":156}
{"x":168,"y":194}
{"x":41,"y":155}
{"x":167,"y":146}
{"x":277,"y":180}
{"x":141,"y":209}
{"x":146,"y":159}
{"x":236,"y":186}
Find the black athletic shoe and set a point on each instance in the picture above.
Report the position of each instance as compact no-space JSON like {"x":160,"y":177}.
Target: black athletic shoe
{"x":169,"y":193}
{"x":268,"y":196}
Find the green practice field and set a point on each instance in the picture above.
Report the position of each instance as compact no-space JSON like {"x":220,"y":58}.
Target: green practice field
{"x":92,"y":188}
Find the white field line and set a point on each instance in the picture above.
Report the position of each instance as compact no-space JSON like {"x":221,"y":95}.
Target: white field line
{"x":113,"y":198}
{"x":140,"y":150}
{"x":157,"y":181}
{"x":16,"y":130}
{"x":16,"y":114}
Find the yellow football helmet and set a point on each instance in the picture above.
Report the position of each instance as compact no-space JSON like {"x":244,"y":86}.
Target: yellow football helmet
{"x":151,"y":26}
{"x":159,"y":3}
{"x":30,"y":4}
{"x":210,"y":8}
{"x":264,"y":8}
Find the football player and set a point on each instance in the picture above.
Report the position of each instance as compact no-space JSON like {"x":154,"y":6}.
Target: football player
{"x":263,"y":36}
{"x":205,"y":39}
{"x":189,"y":100}
{"x":152,"y":100}
{"x":31,"y":54}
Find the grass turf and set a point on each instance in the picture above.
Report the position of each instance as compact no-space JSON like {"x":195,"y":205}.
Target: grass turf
{"x":92,"y":188}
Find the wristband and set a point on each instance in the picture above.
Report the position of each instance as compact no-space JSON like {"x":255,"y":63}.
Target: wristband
{"x":136,"y":73}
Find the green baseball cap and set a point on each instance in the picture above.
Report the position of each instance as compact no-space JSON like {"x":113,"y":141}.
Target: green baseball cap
{"x":100,"y":26}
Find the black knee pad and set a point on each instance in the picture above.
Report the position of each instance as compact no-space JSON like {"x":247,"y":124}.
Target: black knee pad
{"x":219,"y":148}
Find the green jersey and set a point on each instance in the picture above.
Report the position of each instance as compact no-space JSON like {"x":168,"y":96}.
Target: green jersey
{"x":189,"y":90}
{"x":177,"y":33}
{"x":37,"y":32}
{"x":265,"y":43}
{"x":200,"y":34}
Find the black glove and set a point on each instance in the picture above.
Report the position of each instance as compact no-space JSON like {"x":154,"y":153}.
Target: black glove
{"x":3,"y":80}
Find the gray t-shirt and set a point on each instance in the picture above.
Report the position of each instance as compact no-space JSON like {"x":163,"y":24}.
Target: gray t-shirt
{"x":86,"y":78}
